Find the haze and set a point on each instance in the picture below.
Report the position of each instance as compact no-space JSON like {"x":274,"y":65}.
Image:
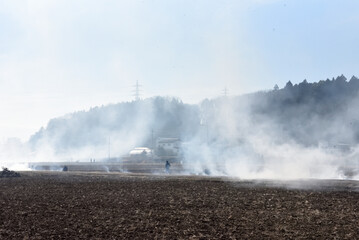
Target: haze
{"x":58,"y":57}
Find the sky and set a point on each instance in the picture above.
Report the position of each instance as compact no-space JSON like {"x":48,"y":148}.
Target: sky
{"x":61,"y":56}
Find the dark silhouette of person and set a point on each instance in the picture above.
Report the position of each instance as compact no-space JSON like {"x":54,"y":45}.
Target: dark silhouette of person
{"x":167,"y":166}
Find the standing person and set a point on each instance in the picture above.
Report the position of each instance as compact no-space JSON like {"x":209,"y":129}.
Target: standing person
{"x":167,"y":166}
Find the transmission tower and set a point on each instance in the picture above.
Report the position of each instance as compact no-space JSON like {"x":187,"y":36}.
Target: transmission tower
{"x":225,"y":91}
{"x":137,"y":91}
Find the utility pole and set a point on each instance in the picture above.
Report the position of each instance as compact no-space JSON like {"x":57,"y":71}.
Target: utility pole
{"x":204,"y":124}
{"x":109,"y":148}
{"x":152,"y":143}
{"x":207,"y":132}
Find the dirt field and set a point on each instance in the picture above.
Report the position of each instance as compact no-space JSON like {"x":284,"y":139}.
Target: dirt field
{"x":69,"y":205}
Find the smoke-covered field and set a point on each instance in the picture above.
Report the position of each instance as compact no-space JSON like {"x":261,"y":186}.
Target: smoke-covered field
{"x":233,"y":119}
{"x":306,"y":130}
{"x":68,"y":205}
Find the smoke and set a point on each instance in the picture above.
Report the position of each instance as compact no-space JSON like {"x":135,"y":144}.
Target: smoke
{"x":282,"y":134}
{"x":100,"y":133}
{"x":14,"y":154}
{"x":238,"y":141}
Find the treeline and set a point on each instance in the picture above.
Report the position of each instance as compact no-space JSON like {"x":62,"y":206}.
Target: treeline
{"x":126,"y":124}
{"x":306,"y":113}
{"x":312,"y":113}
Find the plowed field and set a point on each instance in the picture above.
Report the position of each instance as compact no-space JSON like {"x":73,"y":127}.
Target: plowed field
{"x":70,"y":205}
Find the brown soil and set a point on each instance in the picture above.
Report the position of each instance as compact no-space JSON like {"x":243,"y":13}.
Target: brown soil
{"x":68,"y":205}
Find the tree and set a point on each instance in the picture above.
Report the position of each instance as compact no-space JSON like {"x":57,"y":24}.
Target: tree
{"x":289,"y":85}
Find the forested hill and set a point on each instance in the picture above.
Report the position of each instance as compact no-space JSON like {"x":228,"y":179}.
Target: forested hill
{"x":311,"y":113}
{"x":306,"y":113}
{"x":323,"y":97}
{"x":124,"y":125}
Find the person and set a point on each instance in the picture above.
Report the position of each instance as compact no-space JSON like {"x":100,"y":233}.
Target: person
{"x":167,"y":166}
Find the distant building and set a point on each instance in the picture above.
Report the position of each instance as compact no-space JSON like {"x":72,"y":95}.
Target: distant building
{"x":342,"y":147}
{"x":140,"y":153}
{"x":338,"y":148}
{"x":168,"y":147}
{"x":140,"y":150}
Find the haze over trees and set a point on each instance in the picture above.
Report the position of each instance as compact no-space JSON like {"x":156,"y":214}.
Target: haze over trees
{"x":126,"y":125}
{"x":308,"y":114}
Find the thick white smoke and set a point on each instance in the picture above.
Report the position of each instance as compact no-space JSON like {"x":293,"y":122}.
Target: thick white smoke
{"x":221,"y":137}
{"x":232,"y":143}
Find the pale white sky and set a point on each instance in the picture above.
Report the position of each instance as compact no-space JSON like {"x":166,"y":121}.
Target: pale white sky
{"x":60,"y":56}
